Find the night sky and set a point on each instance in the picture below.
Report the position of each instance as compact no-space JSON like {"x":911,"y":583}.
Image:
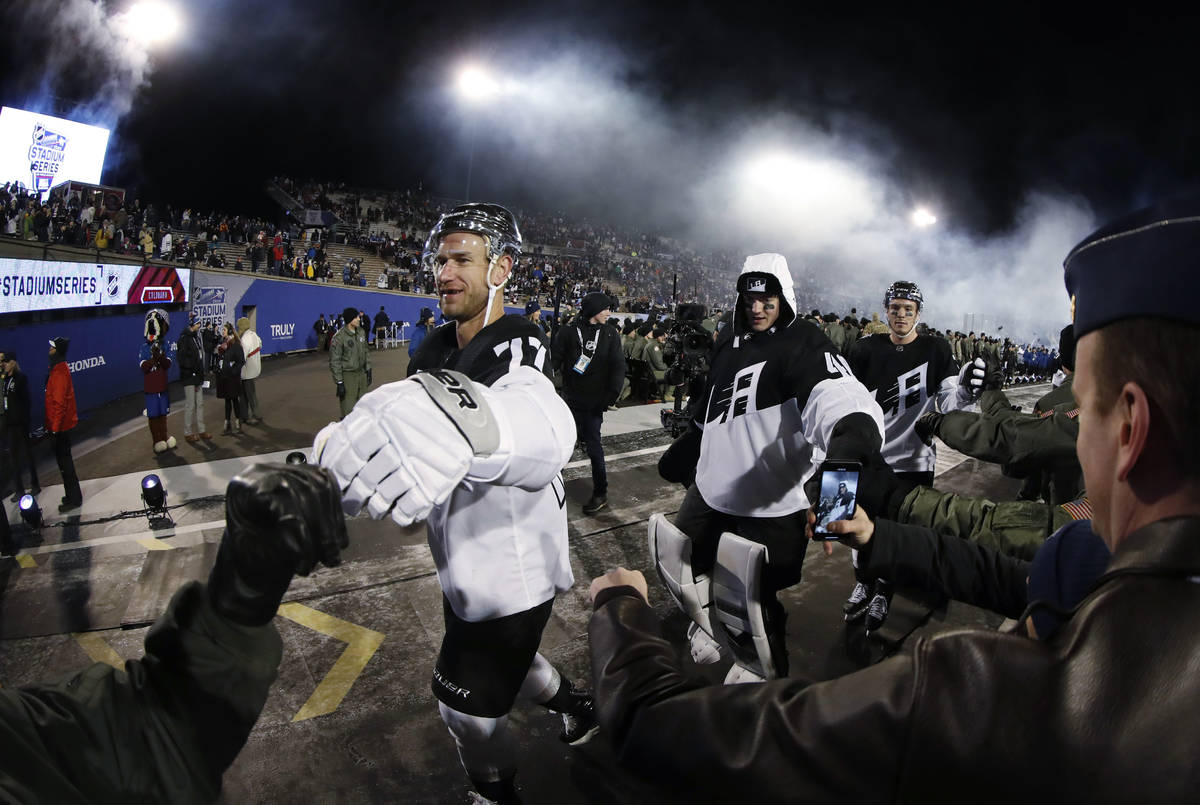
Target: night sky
{"x":971,"y":109}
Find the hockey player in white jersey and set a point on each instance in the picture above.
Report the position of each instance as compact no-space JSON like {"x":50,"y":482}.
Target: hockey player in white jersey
{"x":909,"y":374}
{"x":778,"y":400}
{"x":473,"y":442}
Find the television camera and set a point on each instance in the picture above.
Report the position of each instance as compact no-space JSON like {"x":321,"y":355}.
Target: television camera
{"x":687,"y":349}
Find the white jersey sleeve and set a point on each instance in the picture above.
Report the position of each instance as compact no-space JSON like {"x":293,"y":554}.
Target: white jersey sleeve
{"x":537,"y":432}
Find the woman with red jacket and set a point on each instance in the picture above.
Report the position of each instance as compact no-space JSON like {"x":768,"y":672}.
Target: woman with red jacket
{"x":61,"y":418}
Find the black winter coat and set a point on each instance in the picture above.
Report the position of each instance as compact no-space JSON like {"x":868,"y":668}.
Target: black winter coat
{"x":600,"y":384}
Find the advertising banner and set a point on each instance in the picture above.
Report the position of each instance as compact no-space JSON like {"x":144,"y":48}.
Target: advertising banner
{"x":27,"y":285}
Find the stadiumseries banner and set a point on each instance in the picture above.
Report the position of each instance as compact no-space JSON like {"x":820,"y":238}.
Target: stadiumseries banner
{"x":29,"y":285}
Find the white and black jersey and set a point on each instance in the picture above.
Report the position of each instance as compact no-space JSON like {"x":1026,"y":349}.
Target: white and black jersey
{"x":501,"y":548}
{"x":769,"y":407}
{"x":907,"y":380}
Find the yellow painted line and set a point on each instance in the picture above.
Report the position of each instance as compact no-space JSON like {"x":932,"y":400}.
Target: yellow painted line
{"x":26,"y":561}
{"x":361,"y":644}
{"x":98,"y":649}
{"x":154,"y":544}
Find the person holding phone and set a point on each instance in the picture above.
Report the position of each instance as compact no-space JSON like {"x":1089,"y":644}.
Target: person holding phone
{"x":1106,"y":709}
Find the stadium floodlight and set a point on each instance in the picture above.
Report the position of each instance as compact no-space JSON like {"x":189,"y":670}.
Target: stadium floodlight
{"x":152,"y":22}
{"x":154,"y":494}
{"x":31,"y":513}
{"x":475,"y":84}
{"x":922,"y":218}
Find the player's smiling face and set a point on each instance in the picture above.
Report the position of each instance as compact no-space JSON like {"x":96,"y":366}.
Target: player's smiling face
{"x":902,"y":315}
{"x":461,"y":265}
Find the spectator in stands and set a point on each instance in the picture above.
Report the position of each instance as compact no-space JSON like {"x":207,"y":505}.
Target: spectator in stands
{"x":16,"y":424}
{"x":252,"y":347}
{"x":61,"y":419}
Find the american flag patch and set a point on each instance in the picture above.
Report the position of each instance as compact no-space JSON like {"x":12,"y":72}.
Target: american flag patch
{"x":1074,"y":412}
{"x":1080,"y":509}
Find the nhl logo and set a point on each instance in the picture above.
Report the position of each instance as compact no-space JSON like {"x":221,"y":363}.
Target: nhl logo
{"x":756,"y":286}
{"x":112,"y":285}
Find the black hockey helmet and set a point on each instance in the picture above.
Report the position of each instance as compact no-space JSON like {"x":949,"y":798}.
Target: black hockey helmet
{"x":903,"y":290}
{"x":492,"y":221}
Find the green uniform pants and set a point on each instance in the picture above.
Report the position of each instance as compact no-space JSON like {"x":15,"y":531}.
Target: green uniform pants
{"x":356,"y":386}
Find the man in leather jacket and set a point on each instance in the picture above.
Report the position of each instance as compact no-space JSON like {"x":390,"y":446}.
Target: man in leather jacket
{"x":1107,"y":709}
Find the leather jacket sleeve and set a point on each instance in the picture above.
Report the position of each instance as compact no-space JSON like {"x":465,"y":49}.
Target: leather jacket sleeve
{"x":783,"y":741}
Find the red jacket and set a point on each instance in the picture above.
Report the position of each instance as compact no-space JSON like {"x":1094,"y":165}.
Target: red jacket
{"x":60,"y":400}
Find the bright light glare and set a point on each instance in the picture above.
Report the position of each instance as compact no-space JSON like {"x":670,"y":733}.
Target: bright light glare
{"x":152,"y":22}
{"x":789,"y":184}
{"x":474,"y":84}
{"x":922,"y":217}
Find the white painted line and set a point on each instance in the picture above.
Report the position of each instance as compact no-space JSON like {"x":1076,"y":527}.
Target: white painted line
{"x":645,"y":451}
{"x":117,"y":539}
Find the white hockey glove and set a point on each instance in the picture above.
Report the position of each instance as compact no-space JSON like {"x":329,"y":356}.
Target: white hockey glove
{"x":406,"y":445}
{"x":970,"y":379}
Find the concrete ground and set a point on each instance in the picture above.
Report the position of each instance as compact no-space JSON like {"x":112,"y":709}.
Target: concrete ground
{"x":351,"y":718}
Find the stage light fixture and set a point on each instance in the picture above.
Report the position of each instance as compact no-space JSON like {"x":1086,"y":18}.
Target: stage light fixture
{"x":31,"y":513}
{"x":296,"y":457}
{"x":154,"y":494}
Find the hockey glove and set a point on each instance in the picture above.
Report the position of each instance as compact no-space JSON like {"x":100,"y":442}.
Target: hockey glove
{"x":341,"y":390}
{"x":993,"y":376}
{"x":406,"y":445}
{"x":928,"y":425}
{"x":280,"y":519}
{"x":971,"y":378}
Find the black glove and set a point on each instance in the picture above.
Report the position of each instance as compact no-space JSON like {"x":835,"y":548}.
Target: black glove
{"x":993,"y":377}
{"x":280,"y":519}
{"x":341,"y":390}
{"x":881,"y":491}
{"x":928,"y":425}
{"x":368,"y":377}
{"x":678,"y":463}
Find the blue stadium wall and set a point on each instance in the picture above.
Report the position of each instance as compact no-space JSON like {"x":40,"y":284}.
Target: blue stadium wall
{"x":104,"y":350}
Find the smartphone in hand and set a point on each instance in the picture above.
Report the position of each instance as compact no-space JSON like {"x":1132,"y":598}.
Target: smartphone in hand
{"x":839,"y":489}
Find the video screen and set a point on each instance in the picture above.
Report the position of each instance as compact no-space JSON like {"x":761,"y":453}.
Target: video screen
{"x":27,"y":285}
{"x":41,"y":151}
{"x":839,"y":488}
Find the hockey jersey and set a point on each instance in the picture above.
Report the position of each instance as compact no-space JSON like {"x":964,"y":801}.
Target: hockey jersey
{"x":770,"y":404}
{"x":501,"y":547}
{"x":907,"y":380}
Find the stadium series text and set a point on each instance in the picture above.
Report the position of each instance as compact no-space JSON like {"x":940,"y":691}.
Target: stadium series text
{"x":46,"y":286}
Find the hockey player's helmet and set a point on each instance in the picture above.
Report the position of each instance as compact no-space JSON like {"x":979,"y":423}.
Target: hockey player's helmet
{"x":903,"y":290}
{"x":492,"y":221}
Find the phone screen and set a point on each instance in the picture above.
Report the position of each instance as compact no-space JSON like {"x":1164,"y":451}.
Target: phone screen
{"x":839,"y":488}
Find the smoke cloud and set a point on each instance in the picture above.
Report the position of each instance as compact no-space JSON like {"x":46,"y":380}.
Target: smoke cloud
{"x":574,"y":130}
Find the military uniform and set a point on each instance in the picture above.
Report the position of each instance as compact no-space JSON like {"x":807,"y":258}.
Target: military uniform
{"x":166,"y":726}
{"x":1025,"y":444}
{"x":349,"y":361}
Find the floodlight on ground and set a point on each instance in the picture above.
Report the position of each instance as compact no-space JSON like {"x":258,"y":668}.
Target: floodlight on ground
{"x":31,"y":513}
{"x":154,"y":494}
{"x":151,"y":22}
{"x":296,"y":457}
{"x":475,"y":84}
{"x":922,"y":218}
